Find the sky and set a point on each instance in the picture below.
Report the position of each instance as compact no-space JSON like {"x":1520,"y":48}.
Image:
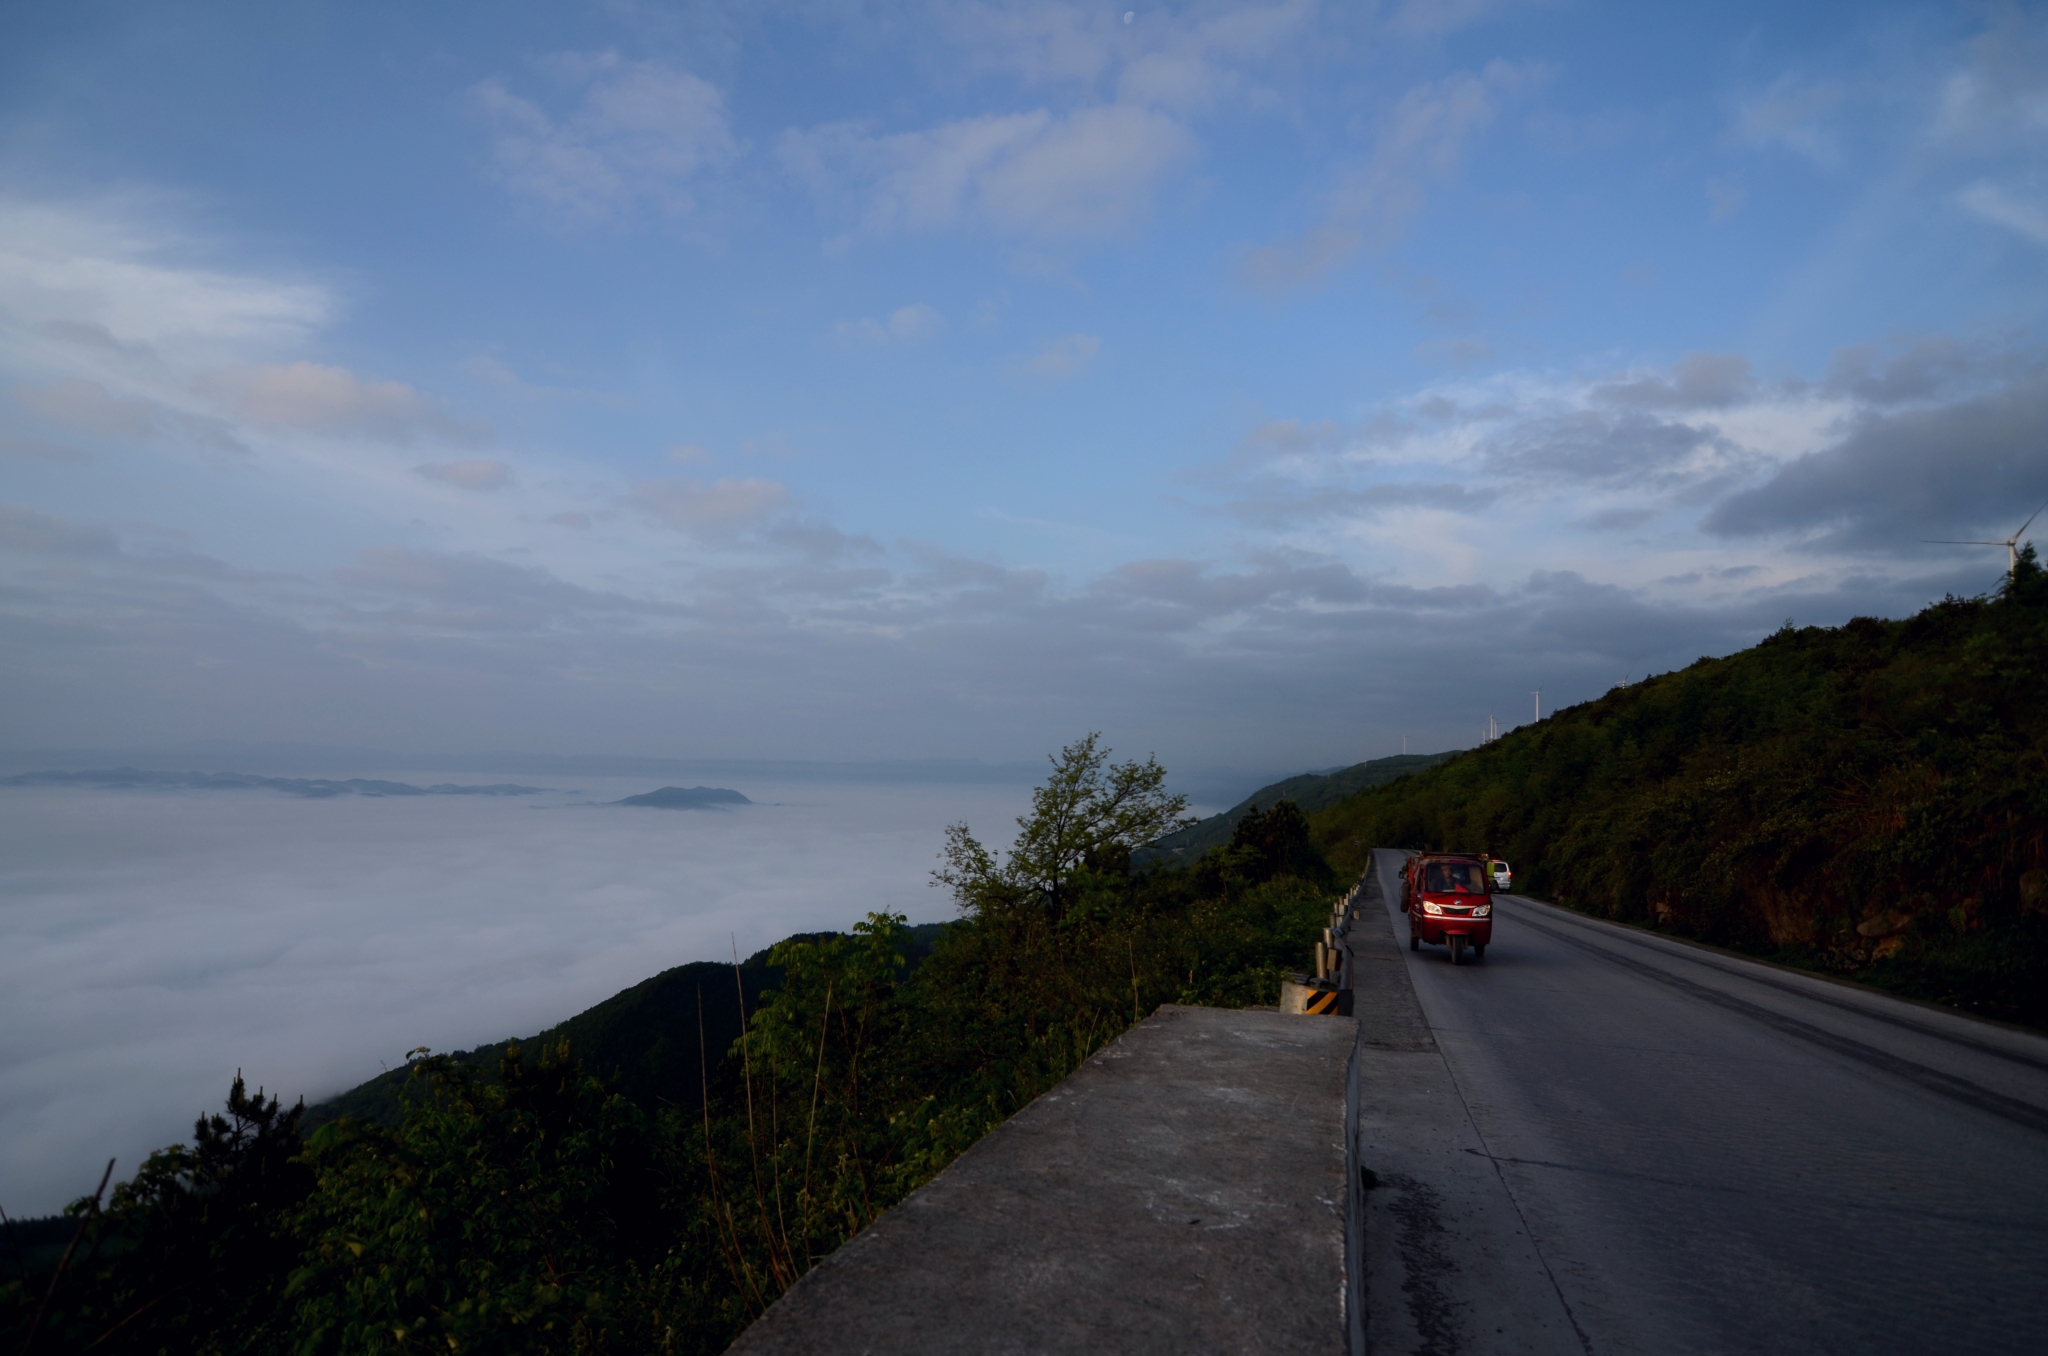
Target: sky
{"x":152,"y":943}
{"x":1261,"y":384}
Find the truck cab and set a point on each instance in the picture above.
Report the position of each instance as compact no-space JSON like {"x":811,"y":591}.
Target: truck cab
{"x":1448,"y":898}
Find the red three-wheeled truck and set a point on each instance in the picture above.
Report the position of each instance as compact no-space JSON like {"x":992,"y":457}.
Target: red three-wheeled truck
{"x":1448,"y":900}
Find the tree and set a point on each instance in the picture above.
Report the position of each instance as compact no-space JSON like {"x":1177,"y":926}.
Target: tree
{"x":2028,"y":582}
{"x":194,"y":1253}
{"x":1088,"y":816}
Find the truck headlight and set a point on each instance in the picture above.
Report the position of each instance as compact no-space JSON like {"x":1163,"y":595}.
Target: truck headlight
{"x":1482,"y":911}
{"x":1428,"y":907}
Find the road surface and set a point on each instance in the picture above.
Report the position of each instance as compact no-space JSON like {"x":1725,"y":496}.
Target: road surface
{"x":1602,"y":1140}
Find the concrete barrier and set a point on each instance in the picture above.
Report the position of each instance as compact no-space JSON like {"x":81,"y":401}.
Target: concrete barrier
{"x":1308,"y":996}
{"x":1188,"y":1189}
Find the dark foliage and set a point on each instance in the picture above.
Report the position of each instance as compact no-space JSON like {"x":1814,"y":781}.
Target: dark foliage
{"x":194,"y":1252}
{"x":1311,"y":791}
{"x":1870,"y":800}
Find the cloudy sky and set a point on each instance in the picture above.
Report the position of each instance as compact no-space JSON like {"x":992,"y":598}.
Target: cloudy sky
{"x":1257,"y":382}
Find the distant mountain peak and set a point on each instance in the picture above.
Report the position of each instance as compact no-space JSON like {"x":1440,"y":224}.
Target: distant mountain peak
{"x":687,"y":798}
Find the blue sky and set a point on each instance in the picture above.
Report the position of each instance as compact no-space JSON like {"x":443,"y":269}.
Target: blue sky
{"x":1259,"y":383}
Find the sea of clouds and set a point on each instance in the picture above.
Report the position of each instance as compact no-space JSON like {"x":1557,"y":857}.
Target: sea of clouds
{"x":153,"y":942}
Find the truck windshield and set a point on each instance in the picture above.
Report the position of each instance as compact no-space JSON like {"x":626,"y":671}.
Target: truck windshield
{"x":1453,"y":878}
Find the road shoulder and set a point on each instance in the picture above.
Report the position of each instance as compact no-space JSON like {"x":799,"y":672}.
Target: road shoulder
{"x":1449,"y":1264}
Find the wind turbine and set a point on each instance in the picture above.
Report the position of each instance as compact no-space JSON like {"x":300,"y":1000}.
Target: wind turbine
{"x":2011,"y":544}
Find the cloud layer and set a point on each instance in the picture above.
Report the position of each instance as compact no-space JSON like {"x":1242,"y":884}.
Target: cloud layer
{"x":311,"y":943}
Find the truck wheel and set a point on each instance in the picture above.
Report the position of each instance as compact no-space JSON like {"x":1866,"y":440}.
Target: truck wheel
{"x":1414,"y":942}
{"x":1457,"y":948}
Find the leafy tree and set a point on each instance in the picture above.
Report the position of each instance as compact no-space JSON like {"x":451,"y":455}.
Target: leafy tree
{"x":193,"y":1253}
{"x":1089,"y":815}
{"x":532,"y":1212}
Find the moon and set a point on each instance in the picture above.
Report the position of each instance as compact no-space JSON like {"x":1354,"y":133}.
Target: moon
{"x":1129,"y":15}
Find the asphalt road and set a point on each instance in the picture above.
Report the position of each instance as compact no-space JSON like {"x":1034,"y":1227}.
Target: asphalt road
{"x":1602,"y":1140}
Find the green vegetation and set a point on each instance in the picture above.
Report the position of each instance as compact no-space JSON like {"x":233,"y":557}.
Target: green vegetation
{"x":579,"y":1197}
{"x":644,"y":1040}
{"x":1869,"y":800}
{"x":1311,"y":791}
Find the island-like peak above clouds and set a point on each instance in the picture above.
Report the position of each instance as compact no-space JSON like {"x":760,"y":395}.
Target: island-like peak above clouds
{"x":687,"y":798}
{"x":319,"y":788}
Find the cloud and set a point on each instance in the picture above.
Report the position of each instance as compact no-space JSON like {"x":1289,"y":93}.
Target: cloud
{"x":26,"y":529}
{"x":159,"y":941}
{"x":1954,"y":469}
{"x":1621,"y":520}
{"x":1725,"y":198}
{"x":13,"y":448}
{"x":1288,"y":438}
{"x":1183,"y":59}
{"x":1420,"y":142}
{"x":643,"y":132}
{"x":1195,"y":585}
{"x":819,"y":540}
{"x":1922,"y":370}
{"x":2001,"y":93}
{"x":1089,"y":173}
{"x":88,"y":407}
{"x":1436,"y":18}
{"x":1064,"y":357}
{"x":1278,"y":505}
{"x":479,"y":474}
{"x":499,"y":374}
{"x":721,"y":503}
{"x":116,"y":274}
{"x":334,"y":400}
{"x":1596,"y":447}
{"x":1454,"y":352}
{"x":2000,"y":206}
{"x":469,"y":593}
{"x":1698,"y":381}
{"x":1793,"y":113}
{"x":904,"y":325}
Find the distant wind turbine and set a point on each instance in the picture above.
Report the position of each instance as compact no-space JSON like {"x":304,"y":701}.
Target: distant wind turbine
{"x":2011,"y":544}
{"x":1537,"y":693}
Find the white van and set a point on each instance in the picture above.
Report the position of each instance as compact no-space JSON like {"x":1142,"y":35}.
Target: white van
{"x":1501,"y":874}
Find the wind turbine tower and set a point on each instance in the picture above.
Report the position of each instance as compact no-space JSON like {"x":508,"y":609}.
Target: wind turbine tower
{"x":2011,"y":544}
{"x":1538,"y":694}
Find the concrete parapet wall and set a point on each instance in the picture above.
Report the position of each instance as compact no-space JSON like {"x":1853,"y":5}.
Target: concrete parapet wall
{"x":1185,"y":1190}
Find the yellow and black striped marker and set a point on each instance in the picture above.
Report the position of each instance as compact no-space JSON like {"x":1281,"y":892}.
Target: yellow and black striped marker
{"x":1321,"y":1003}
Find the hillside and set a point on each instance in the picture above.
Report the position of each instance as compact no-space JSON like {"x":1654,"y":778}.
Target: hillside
{"x":1310,"y":790}
{"x":687,"y":798}
{"x":1869,"y":800}
{"x":644,"y":1040}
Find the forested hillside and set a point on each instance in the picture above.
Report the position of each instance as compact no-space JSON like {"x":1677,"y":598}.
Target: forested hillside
{"x":645,"y":1040}
{"x":575,"y":1196}
{"x":1309,"y":791}
{"x":1868,"y":800}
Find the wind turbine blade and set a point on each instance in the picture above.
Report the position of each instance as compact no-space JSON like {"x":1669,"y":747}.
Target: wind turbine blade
{"x":2029,"y":522}
{"x":1929,"y":541}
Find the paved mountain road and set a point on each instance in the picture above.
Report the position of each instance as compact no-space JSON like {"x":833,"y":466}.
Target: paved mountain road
{"x":1602,"y":1140}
